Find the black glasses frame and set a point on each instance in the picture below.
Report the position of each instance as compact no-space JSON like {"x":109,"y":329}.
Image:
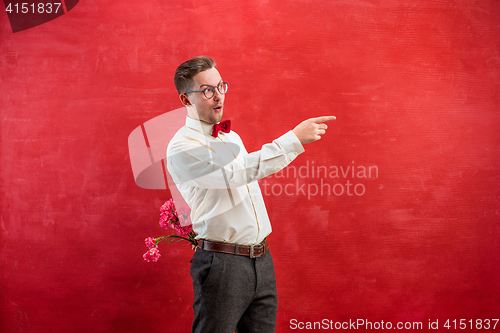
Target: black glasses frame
{"x":209,"y":91}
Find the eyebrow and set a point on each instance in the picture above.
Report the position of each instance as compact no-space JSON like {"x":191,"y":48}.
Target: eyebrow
{"x":211,"y":85}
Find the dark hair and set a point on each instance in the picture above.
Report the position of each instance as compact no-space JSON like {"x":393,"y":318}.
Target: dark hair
{"x":183,"y":78}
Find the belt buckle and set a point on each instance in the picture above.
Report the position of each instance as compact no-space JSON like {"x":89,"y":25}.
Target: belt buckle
{"x":252,"y":252}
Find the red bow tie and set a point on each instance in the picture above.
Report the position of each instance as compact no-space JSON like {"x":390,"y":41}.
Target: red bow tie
{"x":224,"y":126}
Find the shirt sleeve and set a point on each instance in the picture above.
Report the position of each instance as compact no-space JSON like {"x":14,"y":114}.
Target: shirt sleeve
{"x":220,"y":164}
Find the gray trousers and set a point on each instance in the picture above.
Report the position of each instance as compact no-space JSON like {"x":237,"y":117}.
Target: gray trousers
{"x":233,"y":293}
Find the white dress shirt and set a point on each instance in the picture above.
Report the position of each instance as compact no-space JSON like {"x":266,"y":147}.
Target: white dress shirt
{"x":217,"y":178}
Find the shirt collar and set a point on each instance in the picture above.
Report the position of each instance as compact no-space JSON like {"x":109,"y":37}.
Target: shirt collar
{"x":199,"y":125}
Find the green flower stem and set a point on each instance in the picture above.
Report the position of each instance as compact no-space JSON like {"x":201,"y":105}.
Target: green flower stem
{"x":176,"y":238}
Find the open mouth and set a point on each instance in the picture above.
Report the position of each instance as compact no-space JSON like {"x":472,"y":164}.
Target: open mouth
{"x":218,"y":108}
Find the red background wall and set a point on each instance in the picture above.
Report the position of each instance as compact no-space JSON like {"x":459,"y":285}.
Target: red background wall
{"x":415,"y":87}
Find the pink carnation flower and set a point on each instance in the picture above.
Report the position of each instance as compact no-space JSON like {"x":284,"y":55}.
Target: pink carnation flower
{"x":167,"y":215}
{"x":166,"y":220}
{"x":152,"y":255}
{"x":168,"y":206}
{"x":184,"y":231}
{"x":170,"y":218}
{"x":150,"y":242}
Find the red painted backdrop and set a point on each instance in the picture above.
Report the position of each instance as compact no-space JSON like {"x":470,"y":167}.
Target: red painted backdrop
{"x":415,"y":87}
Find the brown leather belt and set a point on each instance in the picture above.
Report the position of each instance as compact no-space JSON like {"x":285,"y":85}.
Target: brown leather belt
{"x":252,"y":251}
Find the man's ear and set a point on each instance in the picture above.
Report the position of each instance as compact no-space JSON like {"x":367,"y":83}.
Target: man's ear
{"x":184,"y":100}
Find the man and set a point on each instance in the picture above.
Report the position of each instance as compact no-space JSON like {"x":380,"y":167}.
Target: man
{"x":232,"y":269}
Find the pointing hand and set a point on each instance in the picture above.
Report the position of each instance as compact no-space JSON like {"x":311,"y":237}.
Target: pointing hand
{"x":310,"y":130}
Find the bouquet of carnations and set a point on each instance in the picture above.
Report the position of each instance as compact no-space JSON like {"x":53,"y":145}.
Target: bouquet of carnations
{"x":177,"y":220}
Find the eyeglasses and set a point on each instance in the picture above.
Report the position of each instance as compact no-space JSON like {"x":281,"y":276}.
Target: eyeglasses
{"x":209,"y":91}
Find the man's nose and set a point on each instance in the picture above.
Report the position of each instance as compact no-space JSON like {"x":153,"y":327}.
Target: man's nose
{"x":217,"y":95}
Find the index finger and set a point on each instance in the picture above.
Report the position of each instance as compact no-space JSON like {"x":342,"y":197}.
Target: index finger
{"x":323,"y":119}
